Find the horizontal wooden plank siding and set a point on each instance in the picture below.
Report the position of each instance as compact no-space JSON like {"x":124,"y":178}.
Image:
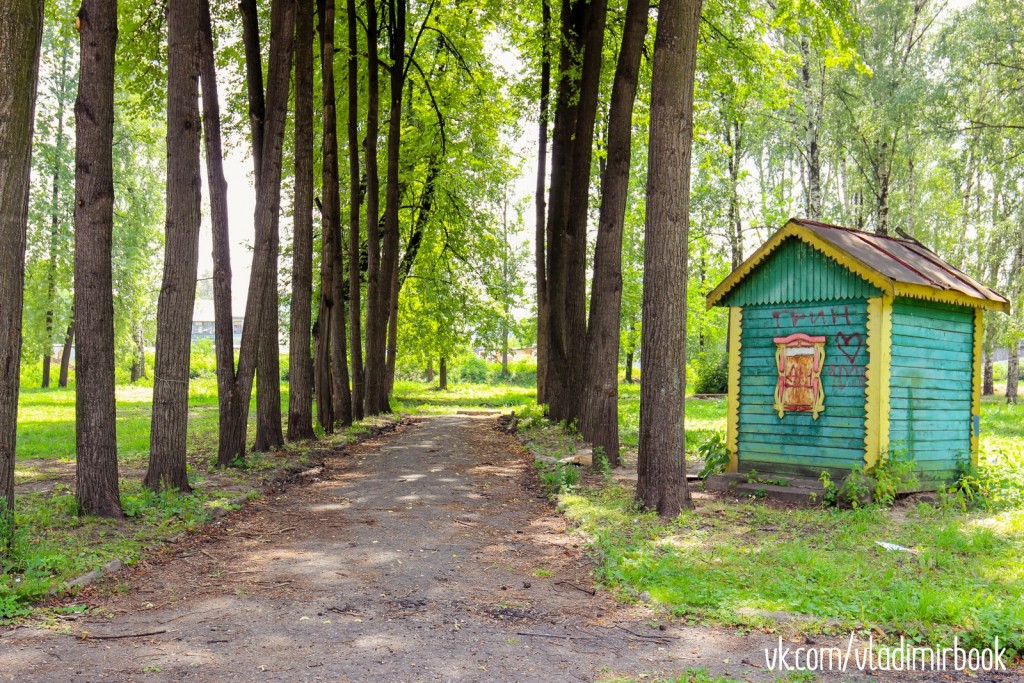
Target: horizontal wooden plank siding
{"x":797,"y":443}
{"x":931,"y":379}
{"x":797,"y":272}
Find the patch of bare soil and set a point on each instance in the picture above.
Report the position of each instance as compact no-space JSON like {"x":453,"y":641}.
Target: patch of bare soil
{"x":427,"y":554}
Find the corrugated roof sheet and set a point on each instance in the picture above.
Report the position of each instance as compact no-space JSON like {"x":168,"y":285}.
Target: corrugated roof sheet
{"x":901,"y":260}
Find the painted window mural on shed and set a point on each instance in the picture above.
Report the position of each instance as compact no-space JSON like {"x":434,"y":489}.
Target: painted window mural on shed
{"x":799,"y":358}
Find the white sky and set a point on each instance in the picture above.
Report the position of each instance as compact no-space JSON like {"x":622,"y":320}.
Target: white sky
{"x":238,"y":167}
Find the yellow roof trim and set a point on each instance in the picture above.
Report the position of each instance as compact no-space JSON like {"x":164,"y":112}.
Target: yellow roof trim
{"x":854,"y":265}
{"x":947,"y":296}
{"x":794,"y":229}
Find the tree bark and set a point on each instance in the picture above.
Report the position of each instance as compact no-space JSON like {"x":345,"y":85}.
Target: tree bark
{"x":987,"y":384}
{"x":223,"y":312}
{"x":139,"y":365}
{"x":269,"y":435}
{"x":282,"y":35}
{"x":541,"y":204}
{"x":661,"y":483}
{"x":96,"y":412}
{"x":167,"y":463}
{"x":379,"y":305}
{"x":734,"y":138}
{"x":332,"y":279}
{"x":300,"y":391}
{"x":599,"y":421}
{"x":442,"y":374}
{"x":51,"y":275}
{"x":575,"y":316}
{"x":354,"y":306}
{"x":557,"y":362}
{"x":1012,"y":374}
{"x":65,"y":355}
{"x":375,"y":324}
{"x":21,"y":30}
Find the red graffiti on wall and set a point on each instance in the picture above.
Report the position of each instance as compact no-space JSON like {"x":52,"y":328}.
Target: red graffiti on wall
{"x":817,"y":317}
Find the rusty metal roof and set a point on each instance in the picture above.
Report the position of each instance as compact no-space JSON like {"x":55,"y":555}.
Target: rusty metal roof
{"x":901,"y":266}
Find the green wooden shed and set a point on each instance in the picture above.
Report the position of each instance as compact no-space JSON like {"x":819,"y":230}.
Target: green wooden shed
{"x":846,"y":345}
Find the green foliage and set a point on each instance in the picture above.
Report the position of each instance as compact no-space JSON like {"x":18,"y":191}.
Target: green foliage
{"x":715,"y":454}
{"x":557,"y":477}
{"x":707,"y":565}
{"x":892,"y":474}
{"x":995,"y":484}
{"x":203,"y":360}
{"x":712,"y":374}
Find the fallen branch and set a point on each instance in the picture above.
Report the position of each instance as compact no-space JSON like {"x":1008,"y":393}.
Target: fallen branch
{"x":85,"y":635}
{"x":645,"y":636}
{"x":552,"y":635}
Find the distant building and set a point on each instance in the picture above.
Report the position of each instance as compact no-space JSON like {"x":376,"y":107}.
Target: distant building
{"x":203,"y":323}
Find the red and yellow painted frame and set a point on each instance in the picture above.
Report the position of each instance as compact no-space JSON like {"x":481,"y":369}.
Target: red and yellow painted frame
{"x":799,"y":358}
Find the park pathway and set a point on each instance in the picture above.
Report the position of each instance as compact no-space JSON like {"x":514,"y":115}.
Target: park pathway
{"x":423,"y":555}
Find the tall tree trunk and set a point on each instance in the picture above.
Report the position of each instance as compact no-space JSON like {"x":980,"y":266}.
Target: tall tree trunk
{"x":575,"y":331}
{"x":51,"y":274}
{"x":354,"y":307}
{"x":96,"y":412}
{"x":268,"y":194}
{"x":21,"y":30}
{"x":379,"y":304}
{"x":300,"y":391}
{"x":733,"y":138}
{"x":661,"y":483}
{"x":269,"y":435}
{"x":333,"y":278}
{"x":442,"y":374}
{"x":541,"y":205}
{"x":65,"y":354}
{"x":987,"y":384}
{"x":629,"y":367}
{"x":813,"y":109}
{"x":599,"y":421}
{"x":223,"y":312}
{"x":375,"y":324}
{"x":328,"y":360}
{"x":392,"y":355}
{"x":167,"y":463}
{"x":139,"y":365}
{"x":429,"y":375}
{"x":1012,"y":373}
{"x":556,"y":377}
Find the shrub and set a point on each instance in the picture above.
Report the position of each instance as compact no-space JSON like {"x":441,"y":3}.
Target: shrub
{"x":469,"y":368}
{"x":712,"y":371}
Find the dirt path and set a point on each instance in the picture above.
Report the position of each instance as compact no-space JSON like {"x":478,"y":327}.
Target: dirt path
{"x":422,"y":555}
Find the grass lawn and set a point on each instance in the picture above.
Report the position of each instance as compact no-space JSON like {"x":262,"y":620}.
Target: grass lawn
{"x":735,"y":562}
{"x":53,"y":544}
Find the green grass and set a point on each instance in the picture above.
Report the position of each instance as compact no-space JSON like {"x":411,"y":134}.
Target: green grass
{"x":729,"y":562}
{"x":46,"y":420}
{"x":53,"y":544}
{"x":425,"y":399}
